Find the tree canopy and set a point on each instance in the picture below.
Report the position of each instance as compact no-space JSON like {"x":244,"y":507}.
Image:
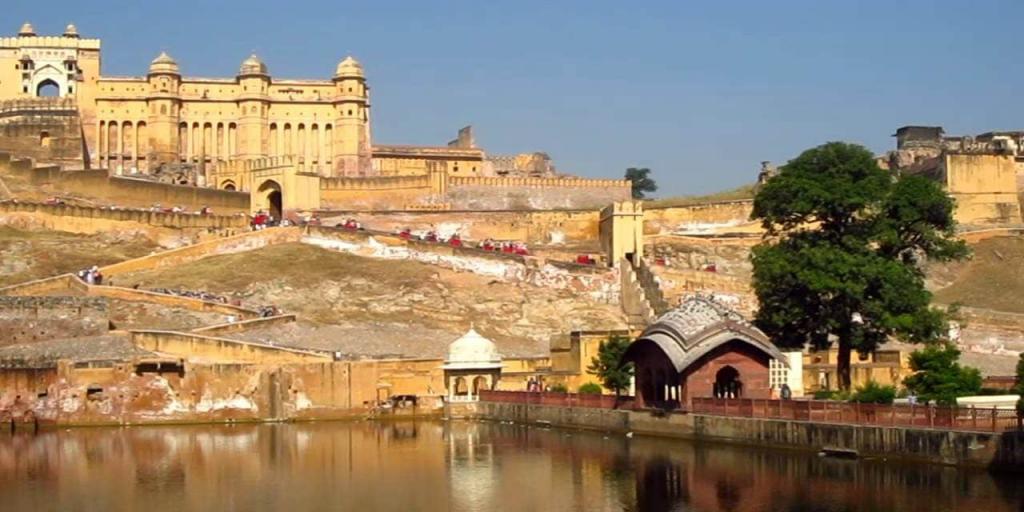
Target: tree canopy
{"x":642,"y":182}
{"x":605,"y":365}
{"x":938,"y":375}
{"x":840,"y":260}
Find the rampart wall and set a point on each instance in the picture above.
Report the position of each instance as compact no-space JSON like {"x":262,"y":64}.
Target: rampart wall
{"x":698,"y":218}
{"x":88,"y":220}
{"x":506,"y":193}
{"x":32,"y":319}
{"x":44,"y":129}
{"x":196,"y":347}
{"x":123,"y":191}
{"x":228,"y":245}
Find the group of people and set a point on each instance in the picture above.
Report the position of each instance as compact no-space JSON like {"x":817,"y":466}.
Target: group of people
{"x":505,"y":247}
{"x":91,"y":275}
{"x":351,"y":224}
{"x":262,"y":220}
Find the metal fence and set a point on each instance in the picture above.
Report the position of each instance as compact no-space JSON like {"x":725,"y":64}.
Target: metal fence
{"x":822,"y":411}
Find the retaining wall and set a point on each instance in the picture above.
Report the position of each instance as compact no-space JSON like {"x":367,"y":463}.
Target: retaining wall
{"x":976,"y":449}
{"x":32,"y":319}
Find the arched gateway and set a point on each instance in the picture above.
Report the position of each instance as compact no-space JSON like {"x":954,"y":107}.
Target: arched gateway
{"x":700,"y":349}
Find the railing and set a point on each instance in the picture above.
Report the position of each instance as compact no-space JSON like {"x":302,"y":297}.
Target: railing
{"x":822,"y":411}
{"x":558,"y":399}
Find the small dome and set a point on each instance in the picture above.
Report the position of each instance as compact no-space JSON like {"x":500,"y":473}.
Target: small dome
{"x":472,"y":351}
{"x":26,"y":30}
{"x":252,"y":66}
{"x":163,"y":63}
{"x":350,"y":67}
{"x":71,"y":30}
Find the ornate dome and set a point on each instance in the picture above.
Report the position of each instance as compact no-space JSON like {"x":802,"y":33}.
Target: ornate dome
{"x":349,"y":67}
{"x":163,"y":63}
{"x":71,"y":30}
{"x":252,"y":66}
{"x":472,"y":351}
{"x":26,"y":30}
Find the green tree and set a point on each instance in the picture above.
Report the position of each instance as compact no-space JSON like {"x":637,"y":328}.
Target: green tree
{"x":1020,"y":385}
{"x":590,"y":388}
{"x":642,"y":182}
{"x":840,"y":259}
{"x":938,"y":375}
{"x":606,"y":364}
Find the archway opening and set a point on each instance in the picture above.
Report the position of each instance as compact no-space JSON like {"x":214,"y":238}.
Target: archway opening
{"x":228,"y":185}
{"x":270,"y":192}
{"x":47,"y":89}
{"x":727,"y":383}
{"x":479,"y":384}
{"x":460,"y":386}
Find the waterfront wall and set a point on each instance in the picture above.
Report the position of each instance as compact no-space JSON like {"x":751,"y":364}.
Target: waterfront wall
{"x":976,"y":449}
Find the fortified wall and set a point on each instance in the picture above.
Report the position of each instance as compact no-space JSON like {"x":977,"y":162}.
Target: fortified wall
{"x":32,"y":319}
{"x":123,"y":191}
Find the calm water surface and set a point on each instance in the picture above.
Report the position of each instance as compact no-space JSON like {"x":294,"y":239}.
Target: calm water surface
{"x":433,"y":466}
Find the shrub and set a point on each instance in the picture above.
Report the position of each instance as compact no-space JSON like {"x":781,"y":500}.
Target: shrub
{"x":590,"y":388}
{"x":825,"y":394}
{"x":558,"y":387}
{"x":874,"y":393}
{"x":939,"y":377}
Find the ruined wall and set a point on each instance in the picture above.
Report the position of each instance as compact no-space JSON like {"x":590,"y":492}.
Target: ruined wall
{"x":984,"y":188}
{"x":125,"y":192}
{"x":47,"y":130}
{"x":535,"y":227}
{"x":32,"y":319}
{"x":503,"y":193}
{"x":707,"y":218}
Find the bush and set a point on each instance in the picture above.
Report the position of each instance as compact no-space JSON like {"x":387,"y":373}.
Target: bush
{"x":591,"y":388}
{"x":874,"y":393}
{"x":939,"y":377}
{"x":558,"y":388}
{"x":824,"y":394}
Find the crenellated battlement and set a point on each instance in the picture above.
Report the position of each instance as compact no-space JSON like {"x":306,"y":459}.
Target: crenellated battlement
{"x":561,"y":182}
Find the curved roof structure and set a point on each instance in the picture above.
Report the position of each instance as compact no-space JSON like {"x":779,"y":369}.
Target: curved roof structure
{"x":349,"y":67}
{"x":163,"y":63}
{"x":252,"y":66}
{"x":697,"y":327}
{"x":472,"y":352}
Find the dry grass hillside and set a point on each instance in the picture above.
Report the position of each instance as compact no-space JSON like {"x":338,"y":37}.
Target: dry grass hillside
{"x":34,"y":254}
{"x":363,"y":297}
{"x":993,"y":278}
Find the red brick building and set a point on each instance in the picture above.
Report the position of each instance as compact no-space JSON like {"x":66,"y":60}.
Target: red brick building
{"x":700,"y":349}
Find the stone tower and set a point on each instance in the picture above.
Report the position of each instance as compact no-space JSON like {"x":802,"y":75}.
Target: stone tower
{"x":163,"y":105}
{"x":350,"y":142}
{"x":253,"y":102}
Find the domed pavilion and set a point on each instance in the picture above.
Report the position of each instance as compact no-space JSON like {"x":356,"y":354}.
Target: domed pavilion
{"x":473,"y":364}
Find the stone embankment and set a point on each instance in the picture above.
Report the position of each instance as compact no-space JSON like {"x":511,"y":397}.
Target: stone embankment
{"x":960,"y":448}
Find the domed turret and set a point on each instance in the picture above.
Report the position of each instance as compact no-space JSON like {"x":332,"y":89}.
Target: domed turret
{"x":252,"y":66}
{"x":163,"y":63}
{"x":71,"y":30}
{"x":27,"y":30}
{"x":349,"y":68}
{"x":472,"y":352}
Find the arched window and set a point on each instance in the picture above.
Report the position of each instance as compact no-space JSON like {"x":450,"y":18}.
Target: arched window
{"x":44,"y":139}
{"x":48,"y":89}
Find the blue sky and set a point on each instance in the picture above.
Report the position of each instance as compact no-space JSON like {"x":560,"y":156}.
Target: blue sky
{"x":700,"y":92}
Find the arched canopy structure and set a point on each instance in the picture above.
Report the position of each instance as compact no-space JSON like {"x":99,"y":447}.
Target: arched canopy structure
{"x":680,"y":356}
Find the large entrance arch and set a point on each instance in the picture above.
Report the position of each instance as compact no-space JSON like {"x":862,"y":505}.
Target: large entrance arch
{"x":270,"y":198}
{"x":48,"y":89}
{"x":727,"y":383}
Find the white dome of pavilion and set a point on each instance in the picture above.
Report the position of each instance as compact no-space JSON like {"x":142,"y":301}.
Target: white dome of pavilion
{"x":471,"y":352}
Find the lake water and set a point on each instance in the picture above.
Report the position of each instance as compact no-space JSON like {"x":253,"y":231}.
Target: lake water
{"x":459,"y":466}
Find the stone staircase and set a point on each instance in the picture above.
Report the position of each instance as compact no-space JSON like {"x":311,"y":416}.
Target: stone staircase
{"x":642,"y":299}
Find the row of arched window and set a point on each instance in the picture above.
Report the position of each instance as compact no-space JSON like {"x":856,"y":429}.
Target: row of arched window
{"x":122,"y":140}
{"x":310,"y":144}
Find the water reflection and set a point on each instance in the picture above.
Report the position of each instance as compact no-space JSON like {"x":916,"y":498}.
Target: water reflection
{"x":459,"y":467}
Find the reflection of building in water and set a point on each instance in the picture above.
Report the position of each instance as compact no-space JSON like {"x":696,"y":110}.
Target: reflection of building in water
{"x":472,"y":468}
{"x":660,"y":484}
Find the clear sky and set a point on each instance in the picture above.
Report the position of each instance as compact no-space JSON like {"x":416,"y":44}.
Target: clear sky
{"x":700,"y":92}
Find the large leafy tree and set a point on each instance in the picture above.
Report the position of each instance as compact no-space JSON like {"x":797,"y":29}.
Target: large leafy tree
{"x":606,"y":364}
{"x":641,"y":181}
{"x":938,"y":376}
{"x":840,"y":260}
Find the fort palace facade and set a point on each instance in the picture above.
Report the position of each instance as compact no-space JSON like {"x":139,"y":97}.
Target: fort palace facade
{"x":137,"y":124}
